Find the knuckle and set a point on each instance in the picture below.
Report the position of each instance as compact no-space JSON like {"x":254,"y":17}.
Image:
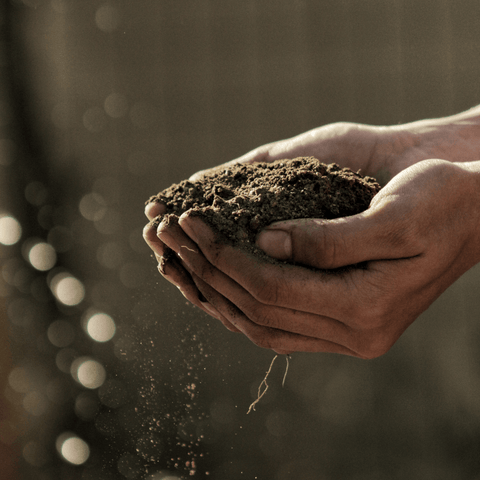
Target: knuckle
{"x":262,"y":318}
{"x":409,"y":240}
{"x":264,"y":290}
{"x":261,"y":339}
{"x":326,"y":247}
{"x":373,"y":319}
{"x":376,"y":309}
{"x":375,"y":347}
{"x":205,"y":271}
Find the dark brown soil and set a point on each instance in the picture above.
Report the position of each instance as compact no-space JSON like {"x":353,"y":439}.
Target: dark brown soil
{"x":239,"y":201}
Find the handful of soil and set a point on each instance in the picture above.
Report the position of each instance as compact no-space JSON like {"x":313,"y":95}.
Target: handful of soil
{"x":242,"y":199}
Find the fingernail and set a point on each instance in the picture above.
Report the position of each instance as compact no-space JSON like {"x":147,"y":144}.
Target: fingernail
{"x":153,"y":209}
{"x":275,"y":243}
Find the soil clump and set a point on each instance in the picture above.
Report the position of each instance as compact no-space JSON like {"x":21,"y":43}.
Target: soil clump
{"x":242,"y":199}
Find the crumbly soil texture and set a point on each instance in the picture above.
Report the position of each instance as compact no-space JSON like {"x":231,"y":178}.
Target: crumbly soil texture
{"x":242,"y":199}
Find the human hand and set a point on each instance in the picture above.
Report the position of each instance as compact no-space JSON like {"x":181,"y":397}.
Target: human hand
{"x":418,"y":236}
{"x":331,"y":143}
{"x":381,"y":152}
{"x":378,"y":151}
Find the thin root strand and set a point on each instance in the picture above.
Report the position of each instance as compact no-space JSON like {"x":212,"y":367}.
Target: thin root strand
{"x":264,"y":383}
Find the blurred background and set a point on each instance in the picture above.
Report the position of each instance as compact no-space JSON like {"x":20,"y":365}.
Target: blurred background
{"x":112,"y":375}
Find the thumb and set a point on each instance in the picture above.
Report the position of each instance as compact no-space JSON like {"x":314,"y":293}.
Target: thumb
{"x":328,"y":244}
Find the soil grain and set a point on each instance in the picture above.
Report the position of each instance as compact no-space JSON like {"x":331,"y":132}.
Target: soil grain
{"x":241,"y":200}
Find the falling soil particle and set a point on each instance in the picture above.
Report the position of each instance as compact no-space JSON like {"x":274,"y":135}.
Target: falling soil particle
{"x":242,"y":199}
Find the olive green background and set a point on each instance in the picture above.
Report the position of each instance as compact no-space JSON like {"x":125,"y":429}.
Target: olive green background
{"x":197,"y":83}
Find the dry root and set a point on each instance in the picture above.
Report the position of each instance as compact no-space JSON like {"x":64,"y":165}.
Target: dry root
{"x":263,"y":387}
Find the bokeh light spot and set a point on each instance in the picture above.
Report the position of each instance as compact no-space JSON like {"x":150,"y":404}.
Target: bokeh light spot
{"x":101,"y":327}
{"x":10,"y":230}
{"x":110,"y":223}
{"x":130,"y":466}
{"x":19,"y":380}
{"x":110,"y":255}
{"x":67,"y":289}
{"x":34,"y":453}
{"x":107,"y":18}
{"x":132,"y":275}
{"x":21,"y":311}
{"x":72,"y":448}
{"x":94,"y":119}
{"x":60,"y":333}
{"x":88,"y":372}
{"x":42,"y":256}
{"x":65,"y":358}
{"x":35,"y":403}
{"x":93,"y":206}
{"x":36,"y":193}
{"x":116,"y":105}
{"x":87,"y":405}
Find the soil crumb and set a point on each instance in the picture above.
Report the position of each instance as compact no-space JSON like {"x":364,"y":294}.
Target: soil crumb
{"x":241,"y":200}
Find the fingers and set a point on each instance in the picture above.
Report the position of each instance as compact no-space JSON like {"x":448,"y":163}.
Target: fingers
{"x":266,"y":337}
{"x":174,"y":272}
{"x":280,"y":329}
{"x":376,"y":234}
{"x":171,"y":268}
{"x":154,"y":209}
{"x":309,"y":324}
{"x":270,"y":327}
{"x":173,"y":236}
{"x":285,"y":285}
{"x":152,"y":240}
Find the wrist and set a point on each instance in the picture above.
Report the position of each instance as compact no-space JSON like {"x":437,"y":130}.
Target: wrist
{"x":455,"y":138}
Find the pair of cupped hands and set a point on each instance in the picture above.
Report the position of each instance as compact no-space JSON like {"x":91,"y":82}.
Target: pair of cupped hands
{"x":419,"y":234}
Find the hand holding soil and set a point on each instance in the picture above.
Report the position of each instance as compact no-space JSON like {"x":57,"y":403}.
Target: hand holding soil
{"x":418,"y":236}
